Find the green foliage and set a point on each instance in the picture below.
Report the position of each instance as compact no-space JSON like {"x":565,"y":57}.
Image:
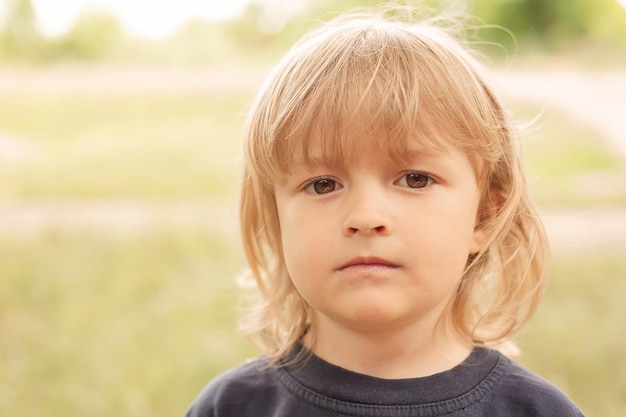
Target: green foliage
{"x":19,"y":39}
{"x":595,"y":27}
{"x":246,"y":31}
{"x":200,"y":41}
{"x":95,"y":35}
{"x":528,"y":27}
{"x":552,"y":25}
{"x":544,"y":21}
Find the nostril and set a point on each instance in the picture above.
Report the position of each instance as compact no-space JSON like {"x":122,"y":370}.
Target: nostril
{"x":367,"y":220}
{"x":366,"y":230}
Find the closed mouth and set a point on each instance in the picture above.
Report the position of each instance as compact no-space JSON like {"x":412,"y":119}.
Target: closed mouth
{"x":367,"y":262}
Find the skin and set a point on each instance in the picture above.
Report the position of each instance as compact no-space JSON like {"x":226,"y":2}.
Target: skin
{"x":377,"y":247}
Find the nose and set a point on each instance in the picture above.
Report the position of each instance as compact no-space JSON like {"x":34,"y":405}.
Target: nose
{"x":367,"y":214}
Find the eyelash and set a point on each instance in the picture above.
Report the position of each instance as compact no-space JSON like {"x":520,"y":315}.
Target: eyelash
{"x":332,"y":184}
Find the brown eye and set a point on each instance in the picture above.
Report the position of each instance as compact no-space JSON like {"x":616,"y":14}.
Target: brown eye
{"x":323,"y":186}
{"x":417,"y":180}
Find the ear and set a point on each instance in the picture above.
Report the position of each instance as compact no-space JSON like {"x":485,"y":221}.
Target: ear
{"x":490,"y":206}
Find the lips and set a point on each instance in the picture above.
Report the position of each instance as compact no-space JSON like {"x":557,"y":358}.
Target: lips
{"x":368,"y":264}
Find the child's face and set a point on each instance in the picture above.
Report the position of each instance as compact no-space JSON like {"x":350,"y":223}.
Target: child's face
{"x":377,"y":244}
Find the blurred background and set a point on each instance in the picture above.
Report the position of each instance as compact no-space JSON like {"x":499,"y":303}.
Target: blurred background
{"x":120,"y":135}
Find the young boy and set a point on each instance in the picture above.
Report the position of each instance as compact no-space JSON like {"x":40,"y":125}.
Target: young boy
{"x":389,"y":231}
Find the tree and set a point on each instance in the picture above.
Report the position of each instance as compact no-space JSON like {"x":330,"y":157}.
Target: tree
{"x":95,"y":35}
{"x":20,"y":38}
{"x":555,"y":25}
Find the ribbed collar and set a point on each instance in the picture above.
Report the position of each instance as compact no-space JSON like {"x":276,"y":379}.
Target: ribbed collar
{"x":332,"y":387}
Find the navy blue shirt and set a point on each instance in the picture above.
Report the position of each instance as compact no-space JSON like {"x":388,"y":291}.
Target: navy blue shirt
{"x":485,"y":384}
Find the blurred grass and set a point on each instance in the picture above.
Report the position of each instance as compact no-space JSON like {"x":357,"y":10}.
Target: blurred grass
{"x":100,"y":323}
{"x":577,"y":337}
{"x":103,"y":146}
{"x":569,"y":164}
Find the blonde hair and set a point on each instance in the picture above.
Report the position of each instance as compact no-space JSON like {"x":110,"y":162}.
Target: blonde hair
{"x":413,"y":81}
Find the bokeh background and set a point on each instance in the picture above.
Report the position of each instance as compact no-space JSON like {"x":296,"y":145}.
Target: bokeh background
{"x":120,"y":135}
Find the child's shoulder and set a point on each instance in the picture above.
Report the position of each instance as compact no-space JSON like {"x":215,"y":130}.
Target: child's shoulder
{"x":234,"y":388}
{"x":523,"y":392}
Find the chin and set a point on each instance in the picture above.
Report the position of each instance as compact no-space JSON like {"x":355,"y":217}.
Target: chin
{"x":370,"y":315}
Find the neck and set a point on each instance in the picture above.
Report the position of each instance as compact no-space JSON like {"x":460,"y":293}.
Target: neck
{"x":408,"y":352}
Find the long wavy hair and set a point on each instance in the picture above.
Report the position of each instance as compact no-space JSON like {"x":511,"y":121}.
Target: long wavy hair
{"x":412,"y":81}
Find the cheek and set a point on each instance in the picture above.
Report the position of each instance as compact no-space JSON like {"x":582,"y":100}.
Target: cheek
{"x":294,"y":235}
{"x":299,"y":254}
{"x":452,"y":231}
{"x":302,"y":246}
{"x":292,"y":253}
{"x":307,"y":240}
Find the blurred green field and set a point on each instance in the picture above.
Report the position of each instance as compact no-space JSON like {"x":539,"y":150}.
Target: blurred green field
{"x":134,"y":322}
{"x":104,"y":146}
{"x":114,"y":325}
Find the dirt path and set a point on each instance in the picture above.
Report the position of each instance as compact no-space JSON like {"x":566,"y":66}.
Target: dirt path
{"x":597,"y":99}
{"x":116,"y":217}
